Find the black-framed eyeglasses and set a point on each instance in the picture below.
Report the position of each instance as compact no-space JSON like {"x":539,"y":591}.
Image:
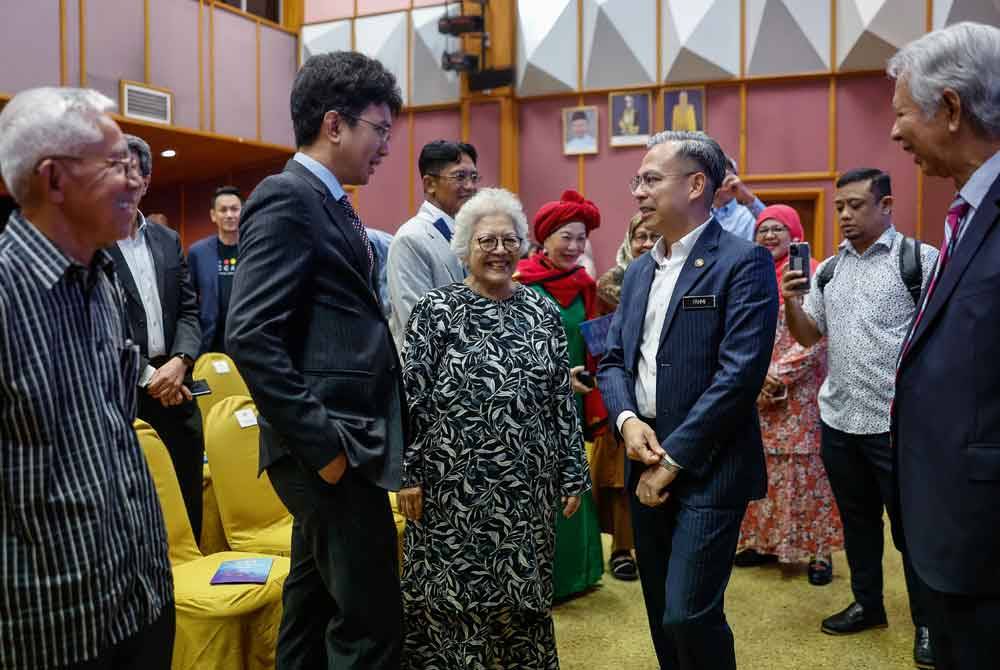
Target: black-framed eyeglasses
{"x":651,"y":179}
{"x":490,"y":243}
{"x":458,"y":177}
{"x":384,"y":132}
{"x":121,"y":166}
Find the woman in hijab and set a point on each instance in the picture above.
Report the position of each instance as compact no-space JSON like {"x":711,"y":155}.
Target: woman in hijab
{"x":607,"y":464}
{"x":798,"y":520}
{"x":555,"y":272}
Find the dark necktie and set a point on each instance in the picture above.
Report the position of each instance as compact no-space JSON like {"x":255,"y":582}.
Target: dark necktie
{"x":352,"y":216}
{"x":443,"y":229}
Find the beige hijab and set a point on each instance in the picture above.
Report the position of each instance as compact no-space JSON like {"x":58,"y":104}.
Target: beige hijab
{"x":625,"y":257}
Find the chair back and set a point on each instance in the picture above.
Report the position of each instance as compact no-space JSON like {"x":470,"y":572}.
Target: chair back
{"x":223,"y":378}
{"x":180,"y":538}
{"x":253,"y":517}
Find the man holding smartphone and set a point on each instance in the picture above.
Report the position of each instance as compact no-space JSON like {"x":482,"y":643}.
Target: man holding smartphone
{"x":864,"y":309}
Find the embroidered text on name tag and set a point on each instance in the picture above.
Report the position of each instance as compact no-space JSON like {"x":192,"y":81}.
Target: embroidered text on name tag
{"x":698,"y":302}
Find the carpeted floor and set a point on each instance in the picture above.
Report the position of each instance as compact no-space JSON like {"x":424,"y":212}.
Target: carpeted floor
{"x":775,"y":615}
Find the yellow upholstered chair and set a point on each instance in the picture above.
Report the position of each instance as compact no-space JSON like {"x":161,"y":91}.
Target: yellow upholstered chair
{"x":253,"y":516}
{"x":223,"y":378}
{"x":213,"y":535}
{"x":400,"y":525}
{"x":232,"y":626}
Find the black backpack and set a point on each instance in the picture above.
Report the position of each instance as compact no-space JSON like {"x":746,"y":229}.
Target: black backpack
{"x":910,"y":269}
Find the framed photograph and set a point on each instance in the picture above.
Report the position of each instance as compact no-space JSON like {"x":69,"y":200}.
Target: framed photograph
{"x":630,"y":118}
{"x":684,"y":108}
{"x":580,"y":130}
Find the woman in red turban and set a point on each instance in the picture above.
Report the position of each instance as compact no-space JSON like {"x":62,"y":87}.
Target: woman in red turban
{"x":555,"y":272}
{"x":798,"y":520}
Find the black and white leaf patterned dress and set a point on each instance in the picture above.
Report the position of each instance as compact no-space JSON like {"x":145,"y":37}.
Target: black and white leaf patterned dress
{"x":496,"y":443}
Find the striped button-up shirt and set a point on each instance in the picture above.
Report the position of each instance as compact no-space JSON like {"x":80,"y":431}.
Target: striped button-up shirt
{"x":83,"y":548}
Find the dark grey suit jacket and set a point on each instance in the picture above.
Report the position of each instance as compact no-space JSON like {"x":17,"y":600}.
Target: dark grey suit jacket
{"x":181,"y":328}
{"x":307,"y":333}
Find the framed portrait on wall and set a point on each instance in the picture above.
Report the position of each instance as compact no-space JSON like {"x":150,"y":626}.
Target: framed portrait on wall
{"x":630,"y":117}
{"x":684,"y":108}
{"x":580,"y":130}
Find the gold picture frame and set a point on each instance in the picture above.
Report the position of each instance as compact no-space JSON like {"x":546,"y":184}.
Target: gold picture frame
{"x":684,"y":108}
{"x":630,"y":111}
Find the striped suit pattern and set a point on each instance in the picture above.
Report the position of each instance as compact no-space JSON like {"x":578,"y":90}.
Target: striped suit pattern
{"x":712,"y":358}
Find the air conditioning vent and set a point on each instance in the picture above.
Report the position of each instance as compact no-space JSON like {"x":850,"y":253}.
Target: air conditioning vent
{"x":145,"y":103}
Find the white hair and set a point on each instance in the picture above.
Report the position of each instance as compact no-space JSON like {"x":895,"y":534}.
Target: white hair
{"x":489,"y":201}
{"x":964,"y":57}
{"x":42,"y":122}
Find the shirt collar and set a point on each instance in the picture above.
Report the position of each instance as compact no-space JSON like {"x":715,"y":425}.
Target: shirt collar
{"x":680,"y":249}
{"x":434,"y":213}
{"x":47,"y":262}
{"x":726,"y":210}
{"x":322,"y":173}
{"x":975,"y":190}
{"x":140,"y":230}
{"x":885,"y":240}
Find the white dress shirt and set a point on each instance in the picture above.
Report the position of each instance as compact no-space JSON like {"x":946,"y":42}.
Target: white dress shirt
{"x":140,"y":263}
{"x":668,"y":268}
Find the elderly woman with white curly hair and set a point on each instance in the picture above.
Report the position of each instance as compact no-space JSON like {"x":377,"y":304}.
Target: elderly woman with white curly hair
{"x":497,"y":452}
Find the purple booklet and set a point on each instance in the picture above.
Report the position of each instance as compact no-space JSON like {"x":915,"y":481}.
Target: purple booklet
{"x":243,"y":571}
{"x":595,"y":334}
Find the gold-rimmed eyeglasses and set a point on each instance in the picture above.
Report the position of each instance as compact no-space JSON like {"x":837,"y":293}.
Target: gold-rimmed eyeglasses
{"x":489,"y":243}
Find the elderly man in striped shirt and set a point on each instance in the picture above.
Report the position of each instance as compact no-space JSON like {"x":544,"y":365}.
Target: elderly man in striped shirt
{"x":85,"y":581}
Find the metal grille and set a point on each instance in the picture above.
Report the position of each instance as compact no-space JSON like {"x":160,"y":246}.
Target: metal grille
{"x":146,"y":104}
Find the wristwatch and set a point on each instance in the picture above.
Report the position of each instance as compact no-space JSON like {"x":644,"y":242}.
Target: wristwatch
{"x":185,"y":359}
{"x":666,"y":464}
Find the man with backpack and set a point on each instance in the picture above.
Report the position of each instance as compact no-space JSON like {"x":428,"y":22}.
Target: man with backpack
{"x":863,"y":300}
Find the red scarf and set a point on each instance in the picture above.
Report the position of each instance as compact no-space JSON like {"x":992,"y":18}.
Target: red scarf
{"x":565,"y":286}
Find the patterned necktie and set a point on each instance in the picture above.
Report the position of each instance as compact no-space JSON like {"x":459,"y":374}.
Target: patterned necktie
{"x":352,"y":216}
{"x":959,"y":208}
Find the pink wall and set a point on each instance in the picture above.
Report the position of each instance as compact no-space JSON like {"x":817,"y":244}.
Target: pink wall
{"x":787,"y":127}
{"x":173,"y":50}
{"x":543,"y":169}
{"x":484,"y":134}
{"x":327,"y":10}
{"x":385,"y":202}
{"x":278,"y":64}
{"x":35,"y":66}
{"x":723,"y":117}
{"x":445,"y":124}
{"x":115,"y":44}
{"x":376,"y":6}
{"x":235,"y":75}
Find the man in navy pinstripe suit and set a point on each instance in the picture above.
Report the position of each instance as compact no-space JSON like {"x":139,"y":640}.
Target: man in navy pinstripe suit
{"x":687,"y":354}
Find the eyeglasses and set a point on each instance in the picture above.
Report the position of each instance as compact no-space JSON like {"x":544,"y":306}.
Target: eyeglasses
{"x":490,"y":243}
{"x":121,"y":166}
{"x":766,"y":230}
{"x":458,"y":177}
{"x":643,"y":238}
{"x":651,"y":179}
{"x":384,"y":132}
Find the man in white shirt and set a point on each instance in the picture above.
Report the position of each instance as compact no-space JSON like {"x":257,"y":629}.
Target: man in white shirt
{"x":420,"y":256}
{"x":687,"y":354}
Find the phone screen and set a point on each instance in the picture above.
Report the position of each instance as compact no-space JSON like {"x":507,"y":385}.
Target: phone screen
{"x":199,"y":387}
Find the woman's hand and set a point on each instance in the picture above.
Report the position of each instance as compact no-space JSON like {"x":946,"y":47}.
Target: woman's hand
{"x":570,"y":505}
{"x":411,"y":502}
{"x":575,"y":383}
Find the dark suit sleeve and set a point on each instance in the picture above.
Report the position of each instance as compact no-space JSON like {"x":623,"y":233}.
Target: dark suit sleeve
{"x":192,"y":260}
{"x":187,"y":336}
{"x":744,"y":356}
{"x":616,"y":384}
{"x":274,"y":267}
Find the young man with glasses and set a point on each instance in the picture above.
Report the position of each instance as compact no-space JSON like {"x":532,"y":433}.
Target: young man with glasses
{"x":420,"y":256}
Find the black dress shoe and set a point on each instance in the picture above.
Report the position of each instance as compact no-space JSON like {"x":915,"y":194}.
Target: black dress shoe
{"x":749,"y":558}
{"x":854,"y":619}
{"x":820,"y":572}
{"x":923,"y":652}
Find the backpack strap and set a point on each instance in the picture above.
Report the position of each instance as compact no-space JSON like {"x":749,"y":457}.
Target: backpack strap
{"x":826,"y":274}
{"x":910,"y":270}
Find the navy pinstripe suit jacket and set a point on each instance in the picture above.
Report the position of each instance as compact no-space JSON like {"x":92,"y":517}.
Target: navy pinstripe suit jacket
{"x":711,"y":365}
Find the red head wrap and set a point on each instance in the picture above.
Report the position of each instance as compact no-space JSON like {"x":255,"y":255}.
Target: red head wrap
{"x":571,"y":207}
{"x":785,"y":215}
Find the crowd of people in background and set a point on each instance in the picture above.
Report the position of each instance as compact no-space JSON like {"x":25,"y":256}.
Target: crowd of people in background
{"x":740,"y":410}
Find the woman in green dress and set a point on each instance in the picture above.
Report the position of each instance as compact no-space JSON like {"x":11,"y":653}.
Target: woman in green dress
{"x":555,"y":272}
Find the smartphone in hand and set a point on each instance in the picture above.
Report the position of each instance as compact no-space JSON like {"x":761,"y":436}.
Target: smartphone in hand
{"x":199,"y":387}
{"x":798,"y":259}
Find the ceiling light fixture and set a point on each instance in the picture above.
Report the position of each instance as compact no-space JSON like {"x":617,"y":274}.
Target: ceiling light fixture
{"x":168,"y":153}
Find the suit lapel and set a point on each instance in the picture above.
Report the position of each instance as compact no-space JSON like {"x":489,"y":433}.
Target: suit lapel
{"x":124,"y":274}
{"x":704,"y":251}
{"x":637,"y":316}
{"x":983,"y":221}
{"x":159,"y":259}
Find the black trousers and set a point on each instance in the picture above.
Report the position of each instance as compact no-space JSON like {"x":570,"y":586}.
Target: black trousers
{"x":860,"y":471}
{"x":150,"y":648}
{"x":342,"y":603}
{"x":964,"y":630}
{"x":181,"y":431}
{"x":685,"y":558}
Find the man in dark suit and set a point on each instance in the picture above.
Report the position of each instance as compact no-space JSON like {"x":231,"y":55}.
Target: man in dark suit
{"x":213,"y":264}
{"x":163,"y":315}
{"x":946,"y":420}
{"x":309,"y":336}
{"x":687,"y":354}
